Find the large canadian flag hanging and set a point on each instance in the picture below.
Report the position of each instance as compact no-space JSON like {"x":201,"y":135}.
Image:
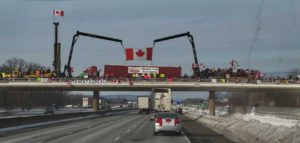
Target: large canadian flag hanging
{"x":138,"y":54}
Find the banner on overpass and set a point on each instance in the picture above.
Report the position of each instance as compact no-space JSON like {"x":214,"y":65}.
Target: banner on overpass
{"x":142,"y":70}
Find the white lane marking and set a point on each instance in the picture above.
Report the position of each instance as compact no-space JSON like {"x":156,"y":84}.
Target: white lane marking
{"x":134,"y":125}
{"x":128,"y":131}
{"x":186,"y":138}
{"x":117,"y":138}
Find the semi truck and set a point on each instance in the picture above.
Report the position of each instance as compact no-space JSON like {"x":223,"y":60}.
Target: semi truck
{"x":161,"y":99}
{"x":143,"y":104}
{"x":103,"y":104}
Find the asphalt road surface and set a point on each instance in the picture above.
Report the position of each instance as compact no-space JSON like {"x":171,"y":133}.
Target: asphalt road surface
{"x":197,"y":133}
{"x":119,"y":127}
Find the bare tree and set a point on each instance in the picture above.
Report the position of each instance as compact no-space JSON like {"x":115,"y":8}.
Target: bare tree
{"x":15,"y":64}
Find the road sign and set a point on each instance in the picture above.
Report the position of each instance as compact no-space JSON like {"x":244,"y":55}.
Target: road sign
{"x":85,"y":102}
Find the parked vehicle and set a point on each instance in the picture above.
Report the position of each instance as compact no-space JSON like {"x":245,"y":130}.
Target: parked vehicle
{"x":161,"y":100}
{"x":91,"y":72}
{"x":143,"y":104}
{"x":166,"y":122}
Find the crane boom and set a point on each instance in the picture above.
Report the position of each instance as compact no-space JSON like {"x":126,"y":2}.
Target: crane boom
{"x":75,"y":38}
{"x":191,"y":39}
{"x":98,"y":36}
{"x":171,"y":37}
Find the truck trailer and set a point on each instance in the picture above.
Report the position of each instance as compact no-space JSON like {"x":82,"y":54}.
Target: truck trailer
{"x":143,"y":104}
{"x":161,"y":99}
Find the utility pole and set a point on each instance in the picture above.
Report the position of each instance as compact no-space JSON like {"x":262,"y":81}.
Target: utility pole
{"x":57,"y":59}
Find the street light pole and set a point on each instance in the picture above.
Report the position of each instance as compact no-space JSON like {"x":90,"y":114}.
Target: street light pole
{"x":57,"y":59}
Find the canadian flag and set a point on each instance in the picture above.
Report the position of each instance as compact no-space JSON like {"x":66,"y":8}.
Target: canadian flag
{"x":138,"y":54}
{"x":58,"y":12}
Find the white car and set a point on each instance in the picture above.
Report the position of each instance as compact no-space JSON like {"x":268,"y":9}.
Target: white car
{"x":166,"y":122}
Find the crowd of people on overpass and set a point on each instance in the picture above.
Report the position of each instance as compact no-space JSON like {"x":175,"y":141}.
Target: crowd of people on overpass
{"x":225,"y":73}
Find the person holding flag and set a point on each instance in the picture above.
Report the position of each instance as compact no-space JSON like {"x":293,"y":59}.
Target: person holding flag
{"x":234,"y":64}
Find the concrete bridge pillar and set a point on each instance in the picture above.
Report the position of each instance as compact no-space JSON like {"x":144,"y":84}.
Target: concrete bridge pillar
{"x":211,"y":102}
{"x":96,"y":100}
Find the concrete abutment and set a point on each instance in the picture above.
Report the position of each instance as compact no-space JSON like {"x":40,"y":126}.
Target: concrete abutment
{"x":211,"y":102}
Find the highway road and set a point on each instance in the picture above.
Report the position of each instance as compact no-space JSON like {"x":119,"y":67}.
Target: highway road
{"x":119,"y":127}
{"x":40,"y":111}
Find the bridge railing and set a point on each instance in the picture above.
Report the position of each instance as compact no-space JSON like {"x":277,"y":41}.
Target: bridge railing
{"x":169,"y":80}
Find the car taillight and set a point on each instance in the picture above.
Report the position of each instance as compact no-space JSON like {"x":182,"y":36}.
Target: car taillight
{"x":177,"y":121}
{"x":158,"y":121}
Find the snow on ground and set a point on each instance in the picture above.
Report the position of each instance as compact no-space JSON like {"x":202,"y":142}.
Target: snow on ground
{"x":250,"y":128}
{"x":272,"y":120}
{"x":275,"y":121}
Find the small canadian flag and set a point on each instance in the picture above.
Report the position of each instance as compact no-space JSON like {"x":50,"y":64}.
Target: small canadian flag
{"x":57,"y":12}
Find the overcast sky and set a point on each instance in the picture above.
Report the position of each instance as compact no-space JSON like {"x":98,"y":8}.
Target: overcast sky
{"x":266,"y":32}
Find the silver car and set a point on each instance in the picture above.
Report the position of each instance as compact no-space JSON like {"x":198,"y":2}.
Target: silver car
{"x":167,"y":122}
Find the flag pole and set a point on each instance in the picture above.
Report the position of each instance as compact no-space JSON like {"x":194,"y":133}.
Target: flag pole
{"x":124,"y":54}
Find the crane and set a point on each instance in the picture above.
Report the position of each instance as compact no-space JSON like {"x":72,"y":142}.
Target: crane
{"x":75,"y":38}
{"x":191,"y":39}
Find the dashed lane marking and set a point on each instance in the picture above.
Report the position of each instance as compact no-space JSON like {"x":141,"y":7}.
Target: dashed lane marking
{"x":117,"y":138}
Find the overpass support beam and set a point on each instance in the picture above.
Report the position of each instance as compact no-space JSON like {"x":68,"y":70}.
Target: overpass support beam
{"x":211,"y":102}
{"x":96,"y":100}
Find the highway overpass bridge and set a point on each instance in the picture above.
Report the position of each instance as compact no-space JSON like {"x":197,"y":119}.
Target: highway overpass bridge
{"x":144,"y":85}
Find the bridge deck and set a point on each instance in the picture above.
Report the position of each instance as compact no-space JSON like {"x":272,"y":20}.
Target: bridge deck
{"x":147,"y":86}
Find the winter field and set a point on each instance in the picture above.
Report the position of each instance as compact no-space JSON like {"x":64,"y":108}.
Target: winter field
{"x":251,"y":127}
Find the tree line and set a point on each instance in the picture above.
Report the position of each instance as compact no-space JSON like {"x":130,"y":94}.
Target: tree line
{"x":28,"y":99}
{"x":18,"y":64}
